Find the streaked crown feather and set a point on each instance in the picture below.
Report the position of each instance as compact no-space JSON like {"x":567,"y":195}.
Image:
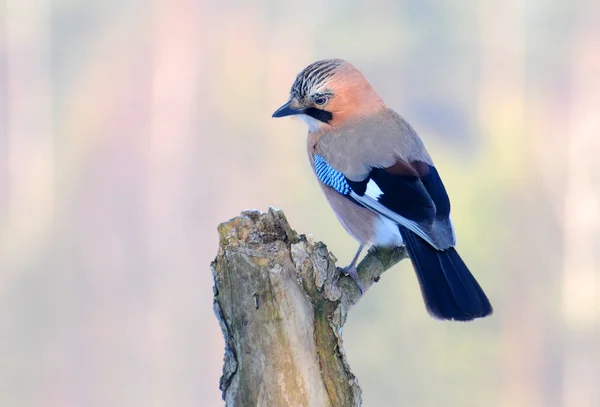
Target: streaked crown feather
{"x":314,"y":76}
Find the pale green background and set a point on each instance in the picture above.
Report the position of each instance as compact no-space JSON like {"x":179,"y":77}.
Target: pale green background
{"x":129,"y":129}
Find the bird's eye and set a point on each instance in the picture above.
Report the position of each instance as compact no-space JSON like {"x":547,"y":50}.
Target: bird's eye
{"x":320,"y":100}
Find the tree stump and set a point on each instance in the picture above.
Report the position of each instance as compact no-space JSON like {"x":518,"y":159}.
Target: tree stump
{"x":282,"y":304}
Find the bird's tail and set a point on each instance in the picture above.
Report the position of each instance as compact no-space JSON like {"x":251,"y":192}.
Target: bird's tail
{"x":449,"y":289}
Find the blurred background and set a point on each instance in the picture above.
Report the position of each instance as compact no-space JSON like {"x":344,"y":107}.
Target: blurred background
{"x":129,"y":129}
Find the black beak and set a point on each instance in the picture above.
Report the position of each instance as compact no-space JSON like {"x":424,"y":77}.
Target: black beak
{"x":286,"y":110}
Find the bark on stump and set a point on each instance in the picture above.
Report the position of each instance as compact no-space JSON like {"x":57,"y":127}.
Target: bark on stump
{"x":282,"y":304}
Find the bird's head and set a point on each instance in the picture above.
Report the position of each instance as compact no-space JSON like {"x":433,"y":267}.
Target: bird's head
{"x":330,"y":93}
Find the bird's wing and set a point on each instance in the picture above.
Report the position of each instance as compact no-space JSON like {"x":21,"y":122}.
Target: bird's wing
{"x":412,"y":195}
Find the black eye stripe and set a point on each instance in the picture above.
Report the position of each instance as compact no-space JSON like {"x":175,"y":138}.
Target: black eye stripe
{"x":319,"y":114}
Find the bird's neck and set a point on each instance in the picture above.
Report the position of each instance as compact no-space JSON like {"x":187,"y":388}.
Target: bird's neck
{"x":311,"y":142}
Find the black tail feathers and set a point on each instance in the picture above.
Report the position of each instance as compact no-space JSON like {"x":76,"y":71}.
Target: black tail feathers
{"x":449,"y":289}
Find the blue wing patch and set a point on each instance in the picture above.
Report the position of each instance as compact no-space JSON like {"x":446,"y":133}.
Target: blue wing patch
{"x":329,"y":176}
{"x":403,"y":199}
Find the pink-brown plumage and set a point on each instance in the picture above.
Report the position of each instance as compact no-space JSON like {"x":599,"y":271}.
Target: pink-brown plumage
{"x":380,"y":181}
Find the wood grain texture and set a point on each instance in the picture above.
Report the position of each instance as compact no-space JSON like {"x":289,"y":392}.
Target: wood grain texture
{"x":281,"y":304}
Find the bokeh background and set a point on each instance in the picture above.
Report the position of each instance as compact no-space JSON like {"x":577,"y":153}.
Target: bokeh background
{"x":129,"y":129}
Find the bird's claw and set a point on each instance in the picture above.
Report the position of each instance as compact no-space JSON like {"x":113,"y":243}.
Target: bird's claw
{"x":352,"y":272}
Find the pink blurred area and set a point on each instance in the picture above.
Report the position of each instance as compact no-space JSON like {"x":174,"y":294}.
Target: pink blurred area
{"x":129,"y":130}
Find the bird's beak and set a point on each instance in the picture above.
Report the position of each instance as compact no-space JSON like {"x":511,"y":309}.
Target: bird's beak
{"x":287,"y":110}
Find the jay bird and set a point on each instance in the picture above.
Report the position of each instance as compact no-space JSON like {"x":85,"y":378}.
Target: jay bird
{"x":382,"y":184}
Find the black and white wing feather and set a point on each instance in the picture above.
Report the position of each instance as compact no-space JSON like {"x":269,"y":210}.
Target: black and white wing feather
{"x":419,"y":204}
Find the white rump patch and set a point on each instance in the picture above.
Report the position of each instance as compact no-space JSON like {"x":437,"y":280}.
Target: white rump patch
{"x":387,"y":233}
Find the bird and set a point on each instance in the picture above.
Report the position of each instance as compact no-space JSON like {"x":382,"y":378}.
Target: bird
{"x":382,"y":184}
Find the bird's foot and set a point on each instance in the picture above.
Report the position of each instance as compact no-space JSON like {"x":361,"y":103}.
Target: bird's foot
{"x":352,"y":272}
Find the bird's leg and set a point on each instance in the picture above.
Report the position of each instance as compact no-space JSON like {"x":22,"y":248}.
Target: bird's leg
{"x":350,"y":270}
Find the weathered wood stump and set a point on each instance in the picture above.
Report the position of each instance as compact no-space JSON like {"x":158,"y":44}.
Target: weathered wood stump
{"x":282,"y":304}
